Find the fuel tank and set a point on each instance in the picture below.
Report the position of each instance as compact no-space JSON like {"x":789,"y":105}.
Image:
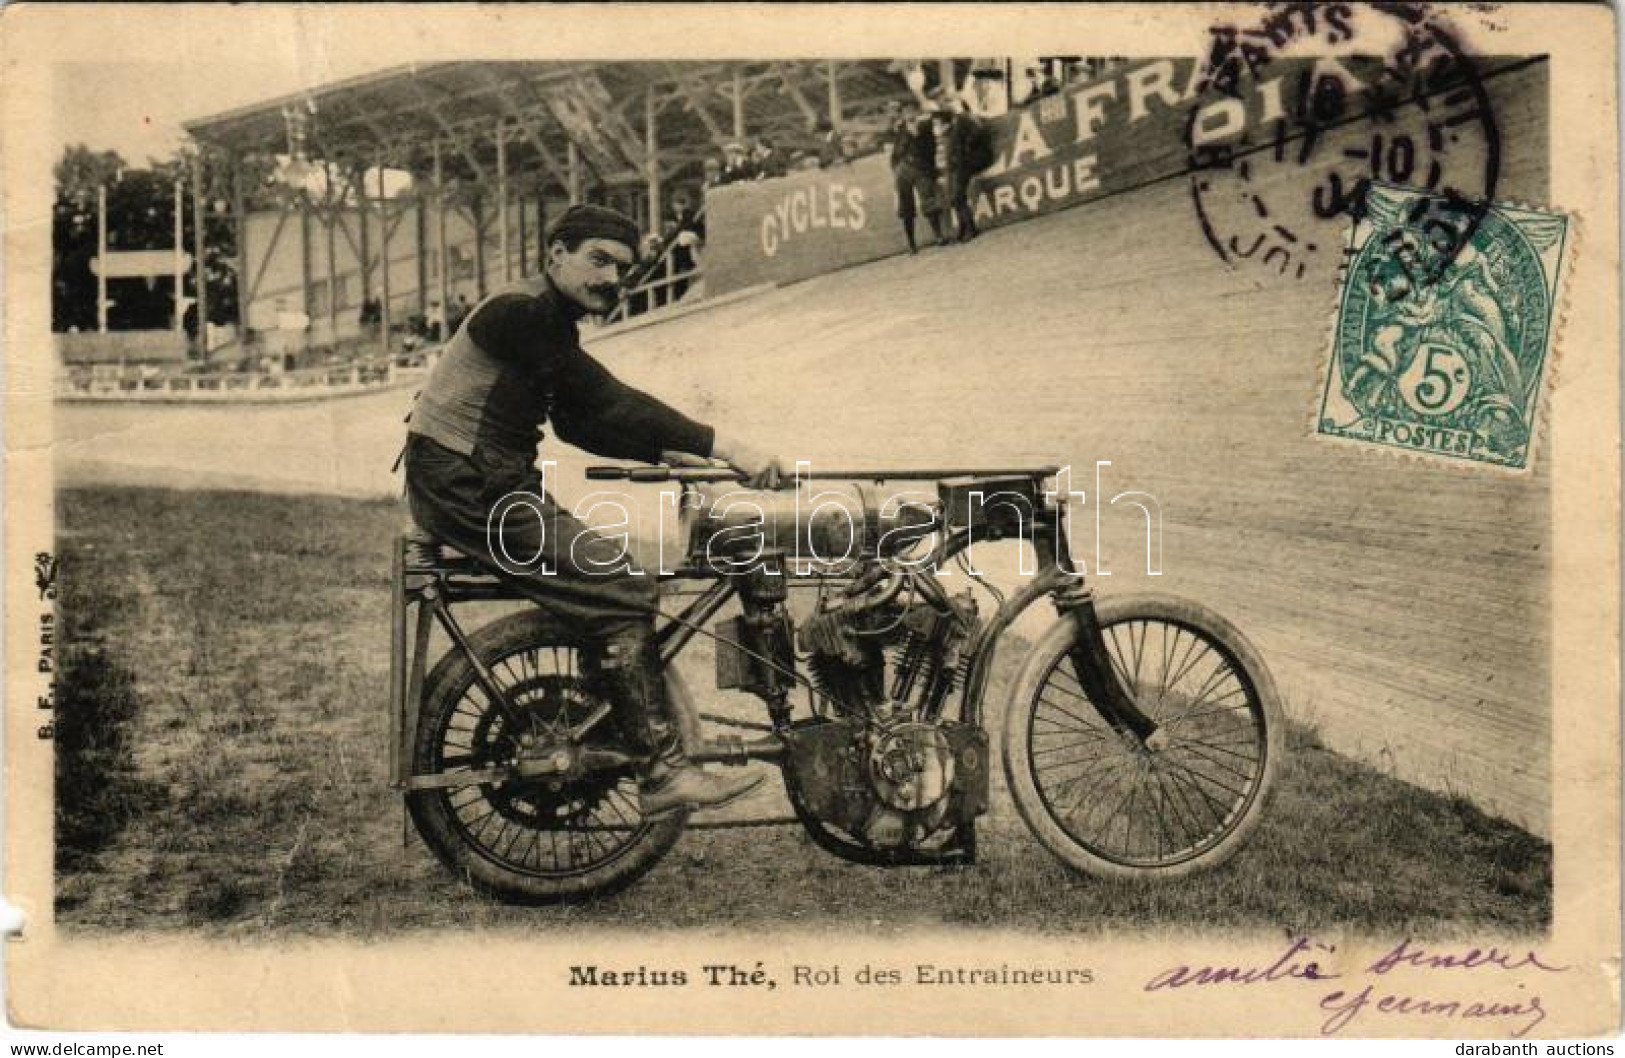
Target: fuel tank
{"x":823,"y":523}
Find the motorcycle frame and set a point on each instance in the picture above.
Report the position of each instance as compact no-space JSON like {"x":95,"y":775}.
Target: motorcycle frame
{"x":426,"y":585}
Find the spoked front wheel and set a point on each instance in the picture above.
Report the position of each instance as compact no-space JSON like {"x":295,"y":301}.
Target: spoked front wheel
{"x":543,"y":839}
{"x":1183,"y":802}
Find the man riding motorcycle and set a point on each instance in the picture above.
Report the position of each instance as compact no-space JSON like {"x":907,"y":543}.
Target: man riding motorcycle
{"x":515,"y":364}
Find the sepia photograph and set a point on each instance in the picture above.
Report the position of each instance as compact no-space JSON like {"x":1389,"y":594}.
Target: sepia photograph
{"x":1093,"y":520}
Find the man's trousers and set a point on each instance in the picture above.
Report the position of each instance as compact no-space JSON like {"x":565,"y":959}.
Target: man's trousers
{"x":493,"y":508}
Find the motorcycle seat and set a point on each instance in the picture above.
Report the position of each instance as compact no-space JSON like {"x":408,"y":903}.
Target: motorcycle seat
{"x":423,"y":552}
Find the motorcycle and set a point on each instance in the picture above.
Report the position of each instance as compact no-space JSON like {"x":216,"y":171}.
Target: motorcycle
{"x":1140,"y":740}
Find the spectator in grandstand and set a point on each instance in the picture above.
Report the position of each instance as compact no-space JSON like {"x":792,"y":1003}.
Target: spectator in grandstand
{"x":1029,"y":93}
{"x":914,"y":170}
{"x":985,"y":93}
{"x":912,"y":71}
{"x":1045,"y":82}
{"x":767,"y":160}
{"x":713,"y":173}
{"x":736,"y":163}
{"x":1095,"y":67}
{"x":646,"y":268}
{"x":868,"y":137}
{"x":831,"y":145}
{"x":515,"y":367}
{"x":1058,"y":68}
{"x":686,"y":219}
{"x":459,"y":312}
{"x":686,"y":236}
{"x":1033,"y":82}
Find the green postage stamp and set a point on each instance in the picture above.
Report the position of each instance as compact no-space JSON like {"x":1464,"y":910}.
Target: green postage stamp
{"x":1444,"y":327}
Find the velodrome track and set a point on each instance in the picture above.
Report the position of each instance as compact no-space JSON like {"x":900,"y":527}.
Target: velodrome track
{"x":1403,"y":607}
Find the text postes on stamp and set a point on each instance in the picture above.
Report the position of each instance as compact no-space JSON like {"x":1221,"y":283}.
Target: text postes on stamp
{"x":1444,"y":326}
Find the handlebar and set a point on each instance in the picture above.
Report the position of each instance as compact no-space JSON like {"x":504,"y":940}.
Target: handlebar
{"x":659,"y":474}
{"x":663,"y":473}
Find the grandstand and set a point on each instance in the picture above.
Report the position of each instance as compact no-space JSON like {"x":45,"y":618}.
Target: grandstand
{"x":449,"y":171}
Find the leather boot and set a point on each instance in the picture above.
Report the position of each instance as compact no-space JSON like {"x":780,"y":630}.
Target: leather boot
{"x":967,"y":223}
{"x":670,"y":782}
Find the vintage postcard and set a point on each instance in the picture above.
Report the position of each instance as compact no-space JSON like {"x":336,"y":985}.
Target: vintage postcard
{"x":1093,"y":520}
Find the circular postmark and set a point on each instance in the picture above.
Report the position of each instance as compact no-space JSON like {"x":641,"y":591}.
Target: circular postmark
{"x":1298,"y":115}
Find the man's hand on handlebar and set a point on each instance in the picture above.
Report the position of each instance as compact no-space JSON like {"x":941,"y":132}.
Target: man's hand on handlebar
{"x":762,"y":470}
{"x":673,"y":458}
{"x":769,"y":476}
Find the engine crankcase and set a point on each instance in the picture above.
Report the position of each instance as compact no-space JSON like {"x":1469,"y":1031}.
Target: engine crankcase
{"x":911,"y":765}
{"x":893,"y":785}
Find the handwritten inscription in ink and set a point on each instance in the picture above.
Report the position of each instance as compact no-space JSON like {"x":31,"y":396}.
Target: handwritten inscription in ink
{"x":1514,"y":1004}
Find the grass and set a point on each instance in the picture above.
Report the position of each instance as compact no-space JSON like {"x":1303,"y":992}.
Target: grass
{"x":221,"y":768}
{"x":98,"y":789}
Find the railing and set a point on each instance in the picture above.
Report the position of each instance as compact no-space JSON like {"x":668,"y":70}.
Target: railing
{"x":314,"y":383}
{"x":660,"y":283}
{"x":668,"y":286}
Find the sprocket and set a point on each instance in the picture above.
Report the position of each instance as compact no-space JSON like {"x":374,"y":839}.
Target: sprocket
{"x":548,"y":705}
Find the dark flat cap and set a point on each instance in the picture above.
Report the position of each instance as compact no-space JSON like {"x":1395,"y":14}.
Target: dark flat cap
{"x":594,"y":222}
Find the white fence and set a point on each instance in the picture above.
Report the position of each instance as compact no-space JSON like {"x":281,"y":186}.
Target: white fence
{"x":315,"y":383}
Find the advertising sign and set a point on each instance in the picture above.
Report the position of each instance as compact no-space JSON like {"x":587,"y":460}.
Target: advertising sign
{"x":800,"y":225}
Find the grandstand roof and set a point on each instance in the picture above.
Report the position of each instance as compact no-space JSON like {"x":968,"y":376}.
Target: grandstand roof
{"x":400,"y":114}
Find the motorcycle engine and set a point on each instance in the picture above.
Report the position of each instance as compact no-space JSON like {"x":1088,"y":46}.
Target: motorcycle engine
{"x":882,"y":765}
{"x":871,"y":655}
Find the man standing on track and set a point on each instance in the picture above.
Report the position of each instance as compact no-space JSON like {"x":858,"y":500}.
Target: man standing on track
{"x":514,"y":365}
{"x":914,"y":170}
{"x":960,"y":130}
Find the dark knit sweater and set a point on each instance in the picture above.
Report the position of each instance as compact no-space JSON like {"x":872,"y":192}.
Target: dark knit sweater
{"x":515,"y":364}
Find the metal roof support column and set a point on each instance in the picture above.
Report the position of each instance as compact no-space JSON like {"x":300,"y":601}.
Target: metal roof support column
{"x":180,"y":256}
{"x":240,"y":209}
{"x":477,"y":214}
{"x":572,"y":158}
{"x":739,"y":103}
{"x":385,"y":316}
{"x":304,"y":260}
{"x":835,"y":116}
{"x":330,"y":224}
{"x":364,"y":249}
{"x":101,"y":258}
{"x":524,"y":236}
{"x":502,"y":202}
{"x":199,"y":249}
{"x":651,"y":151}
{"x":440,"y":241}
{"x":420,"y":247}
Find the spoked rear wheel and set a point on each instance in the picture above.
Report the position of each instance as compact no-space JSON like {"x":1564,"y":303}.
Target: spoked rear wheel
{"x":537,"y":840}
{"x":1112,"y":807}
